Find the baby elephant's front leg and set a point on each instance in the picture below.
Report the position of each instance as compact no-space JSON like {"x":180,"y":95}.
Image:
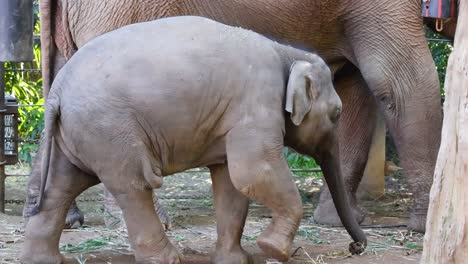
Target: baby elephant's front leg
{"x":258,"y":170}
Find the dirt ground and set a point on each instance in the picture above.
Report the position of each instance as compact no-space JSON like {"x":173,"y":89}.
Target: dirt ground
{"x":187,"y":197}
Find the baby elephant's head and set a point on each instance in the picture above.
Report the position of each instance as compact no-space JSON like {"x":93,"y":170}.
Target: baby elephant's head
{"x":313,"y":104}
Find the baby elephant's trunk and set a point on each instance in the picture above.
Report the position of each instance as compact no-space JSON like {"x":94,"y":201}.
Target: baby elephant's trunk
{"x":52,"y":111}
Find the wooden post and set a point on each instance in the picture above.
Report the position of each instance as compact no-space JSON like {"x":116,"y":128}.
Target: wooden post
{"x":372,"y":185}
{"x":446,"y":239}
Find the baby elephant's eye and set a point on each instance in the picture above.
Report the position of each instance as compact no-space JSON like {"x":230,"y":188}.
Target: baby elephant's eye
{"x":335,"y":114}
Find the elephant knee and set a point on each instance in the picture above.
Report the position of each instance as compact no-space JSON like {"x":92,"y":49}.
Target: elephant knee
{"x":252,"y":178}
{"x":242,"y":185}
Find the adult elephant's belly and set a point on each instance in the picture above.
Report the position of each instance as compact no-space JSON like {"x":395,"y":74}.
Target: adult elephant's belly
{"x":310,"y":25}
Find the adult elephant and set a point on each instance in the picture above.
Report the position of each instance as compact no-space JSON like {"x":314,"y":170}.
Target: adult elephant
{"x":377,"y":46}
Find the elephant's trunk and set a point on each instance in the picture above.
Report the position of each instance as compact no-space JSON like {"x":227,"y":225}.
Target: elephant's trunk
{"x":329,"y":162}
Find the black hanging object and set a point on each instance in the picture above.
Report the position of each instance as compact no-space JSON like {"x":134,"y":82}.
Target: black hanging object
{"x":16,"y":30}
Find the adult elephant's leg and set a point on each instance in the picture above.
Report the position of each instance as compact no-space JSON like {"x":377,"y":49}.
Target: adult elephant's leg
{"x":32,"y":188}
{"x":397,"y":65}
{"x":162,"y":213}
{"x":113,"y":214}
{"x":231,"y":210}
{"x":355,"y":131}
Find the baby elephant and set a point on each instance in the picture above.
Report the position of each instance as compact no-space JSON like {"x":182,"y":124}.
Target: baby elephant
{"x":157,"y":98}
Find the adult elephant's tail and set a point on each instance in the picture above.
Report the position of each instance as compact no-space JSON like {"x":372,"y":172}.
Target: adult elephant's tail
{"x":52,"y":112}
{"x":45,"y":9}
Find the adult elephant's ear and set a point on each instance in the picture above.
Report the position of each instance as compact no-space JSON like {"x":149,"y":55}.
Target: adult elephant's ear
{"x":300,"y":91}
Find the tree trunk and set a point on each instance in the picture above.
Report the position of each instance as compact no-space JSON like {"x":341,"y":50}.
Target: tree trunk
{"x":446,"y":239}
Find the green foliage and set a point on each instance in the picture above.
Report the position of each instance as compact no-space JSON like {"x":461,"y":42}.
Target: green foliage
{"x":310,"y":234}
{"x":81,"y":259}
{"x":440,"y":53}
{"x":298,"y":161}
{"x":412,"y":245}
{"x":87,"y":246}
{"x":250,"y":237}
{"x":36,"y":12}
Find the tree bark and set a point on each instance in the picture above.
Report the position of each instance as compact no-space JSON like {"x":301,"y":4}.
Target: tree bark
{"x":446,"y":239}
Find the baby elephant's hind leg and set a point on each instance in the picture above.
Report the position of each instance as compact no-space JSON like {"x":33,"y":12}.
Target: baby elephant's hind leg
{"x":74,"y":218}
{"x":231,"y":210}
{"x":113,"y":214}
{"x":145,"y":230}
{"x":43,"y":230}
{"x":259,"y":171}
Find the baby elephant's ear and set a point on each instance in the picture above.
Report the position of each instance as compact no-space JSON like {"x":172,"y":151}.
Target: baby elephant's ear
{"x":300,"y":91}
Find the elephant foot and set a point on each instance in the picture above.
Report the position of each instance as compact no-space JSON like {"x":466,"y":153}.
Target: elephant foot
{"x":417,"y":221}
{"x":35,"y":252}
{"x":154,"y":260}
{"x":277,"y":239}
{"x":42,"y":236}
{"x":326,"y":213}
{"x":75,"y":218}
{"x":275,"y":245}
{"x":238,"y":256}
{"x":169,"y":255}
{"x":40,"y":258}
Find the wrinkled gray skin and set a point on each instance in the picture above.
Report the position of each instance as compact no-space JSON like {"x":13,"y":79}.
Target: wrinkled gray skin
{"x":75,"y":217}
{"x":381,"y":41}
{"x":179,"y":93}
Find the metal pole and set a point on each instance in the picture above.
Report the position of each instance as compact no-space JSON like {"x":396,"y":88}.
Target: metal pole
{"x":2,"y":137}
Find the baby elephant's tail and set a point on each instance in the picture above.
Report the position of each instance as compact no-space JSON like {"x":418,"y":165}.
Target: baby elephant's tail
{"x":52,"y":112}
